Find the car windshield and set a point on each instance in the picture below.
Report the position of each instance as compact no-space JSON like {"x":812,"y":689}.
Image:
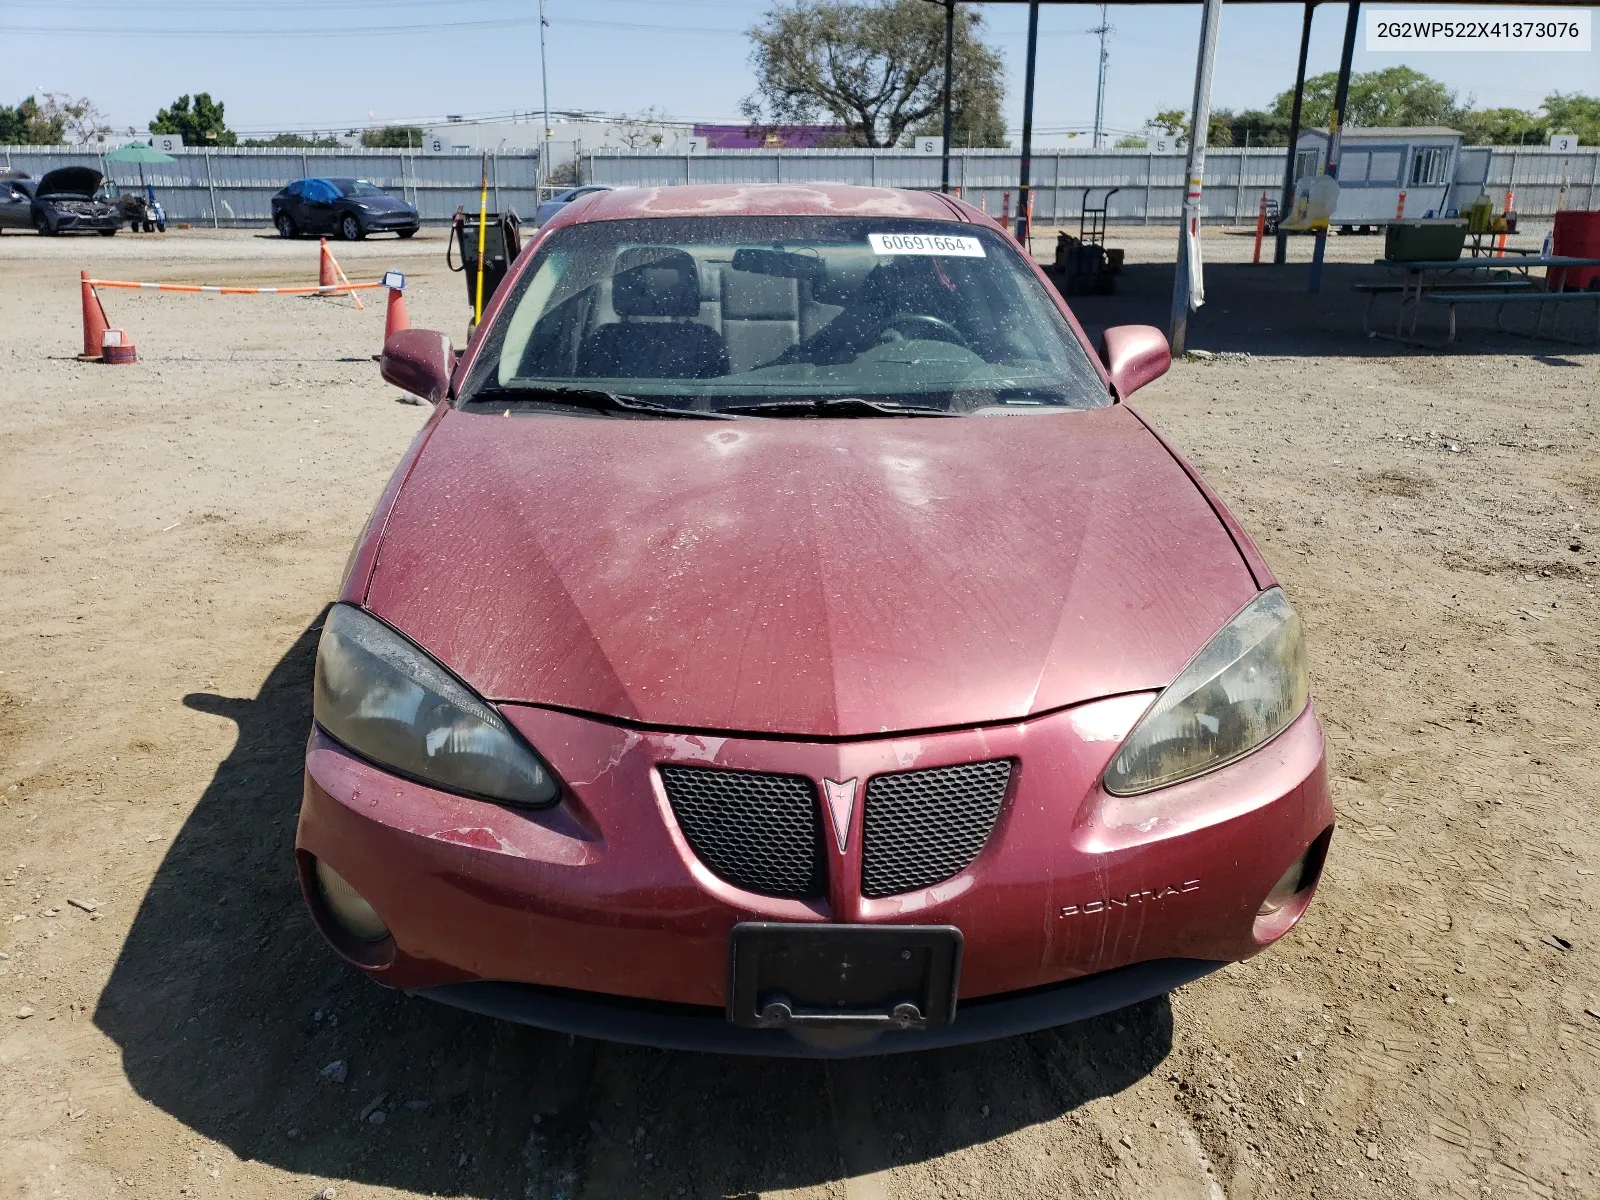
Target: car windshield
{"x":787,"y":316}
{"x":358,"y":187}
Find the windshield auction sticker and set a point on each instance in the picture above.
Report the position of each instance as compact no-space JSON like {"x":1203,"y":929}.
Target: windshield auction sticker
{"x":925,"y":243}
{"x":1400,"y":29}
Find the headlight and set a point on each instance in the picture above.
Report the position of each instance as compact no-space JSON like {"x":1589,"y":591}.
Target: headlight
{"x":1243,"y":688}
{"x":388,"y":701}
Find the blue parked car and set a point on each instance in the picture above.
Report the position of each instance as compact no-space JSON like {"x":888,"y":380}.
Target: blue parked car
{"x":346,"y":208}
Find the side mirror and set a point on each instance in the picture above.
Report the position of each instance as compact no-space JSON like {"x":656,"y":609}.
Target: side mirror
{"x":1134,"y":356}
{"x":418,"y":361}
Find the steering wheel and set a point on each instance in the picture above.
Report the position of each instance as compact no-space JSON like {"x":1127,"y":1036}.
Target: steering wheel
{"x":939,"y":329}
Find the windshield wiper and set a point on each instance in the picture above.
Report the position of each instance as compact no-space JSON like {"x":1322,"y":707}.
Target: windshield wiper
{"x":596,"y":398}
{"x":843,"y":406}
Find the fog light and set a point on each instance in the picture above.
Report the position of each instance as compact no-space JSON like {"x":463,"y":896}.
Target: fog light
{"x":347,"y":907}
{"x":1284,"y":890}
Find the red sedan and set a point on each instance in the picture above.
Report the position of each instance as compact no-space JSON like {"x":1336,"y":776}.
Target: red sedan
{"x":698,"y":681}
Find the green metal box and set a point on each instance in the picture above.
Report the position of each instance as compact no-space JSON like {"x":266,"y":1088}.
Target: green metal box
{"x":1424,"y":240}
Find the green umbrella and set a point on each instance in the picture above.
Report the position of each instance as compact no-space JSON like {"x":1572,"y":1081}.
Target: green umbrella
{"x":139,"y":152}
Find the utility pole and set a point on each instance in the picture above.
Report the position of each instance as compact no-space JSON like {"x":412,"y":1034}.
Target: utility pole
{"x":544,"y":82}
{"x":1102,"y":29}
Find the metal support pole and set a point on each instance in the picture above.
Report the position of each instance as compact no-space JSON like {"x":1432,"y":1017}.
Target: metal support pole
{"x":1186,"y":289}
{"x":211,"y":183}
{"x":1341,"y":97}
{"x":1280,"y":250}
{"x":949,"y":76}
{"x":544,"y":83}
{"x":1027,"y":123}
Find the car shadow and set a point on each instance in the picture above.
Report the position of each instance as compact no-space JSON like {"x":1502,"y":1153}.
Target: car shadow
{"x":234,"y":1017}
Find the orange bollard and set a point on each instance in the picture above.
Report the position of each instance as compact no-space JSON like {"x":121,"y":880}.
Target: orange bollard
{"x":94,"y":320}
{"x":1511,"y":199}
{"x":395,"y":320}
{"x":1261,"y":226}
{"x":327,"y":269}
{"x":1005,"y":209}
{"x":1400,"y":208}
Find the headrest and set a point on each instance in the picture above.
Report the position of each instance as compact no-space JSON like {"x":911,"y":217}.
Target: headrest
{"x":656,"y":282}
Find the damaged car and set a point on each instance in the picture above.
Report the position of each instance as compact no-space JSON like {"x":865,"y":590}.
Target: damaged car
{"x":71,"y":200}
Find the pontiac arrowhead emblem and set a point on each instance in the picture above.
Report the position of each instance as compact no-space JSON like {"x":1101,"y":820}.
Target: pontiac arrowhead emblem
{"x":841,"y":804}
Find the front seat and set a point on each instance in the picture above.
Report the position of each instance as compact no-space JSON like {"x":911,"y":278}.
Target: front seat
{"x":662,"y":285}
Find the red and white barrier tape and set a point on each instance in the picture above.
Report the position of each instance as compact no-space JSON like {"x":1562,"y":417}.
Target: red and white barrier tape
{"x":313,"y":290}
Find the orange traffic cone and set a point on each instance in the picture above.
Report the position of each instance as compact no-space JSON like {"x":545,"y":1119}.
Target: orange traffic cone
{"x":327,"y":269}
{"x":396,"y":319}
{"x":94,"y":320}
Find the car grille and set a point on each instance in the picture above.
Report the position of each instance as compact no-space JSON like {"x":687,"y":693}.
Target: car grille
{"x":759,"y":832}
{"x":925,"y":826}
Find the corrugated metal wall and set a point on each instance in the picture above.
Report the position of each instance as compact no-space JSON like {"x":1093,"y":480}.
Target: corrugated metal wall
{"x":235,"y":186}
{"x":1150,"y":185}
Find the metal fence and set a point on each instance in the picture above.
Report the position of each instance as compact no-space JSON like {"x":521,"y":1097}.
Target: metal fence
{"x":1150,"y":186}
{"x":227,"y":187}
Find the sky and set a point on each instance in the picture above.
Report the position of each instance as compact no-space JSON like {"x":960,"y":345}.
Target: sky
{"x":311,"y":64}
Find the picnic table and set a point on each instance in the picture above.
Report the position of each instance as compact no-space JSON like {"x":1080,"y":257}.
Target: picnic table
{"x":1431,"y":280}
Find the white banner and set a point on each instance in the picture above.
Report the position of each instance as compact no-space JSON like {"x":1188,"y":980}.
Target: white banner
{"x":1399,"y":30}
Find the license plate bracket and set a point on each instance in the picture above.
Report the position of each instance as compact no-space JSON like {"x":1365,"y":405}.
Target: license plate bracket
{"x":783,"y":975}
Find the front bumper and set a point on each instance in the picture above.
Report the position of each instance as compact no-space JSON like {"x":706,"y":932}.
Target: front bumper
{"x":684,"y":1027}
{"x":599,"y":903}
{"x":389,"y":222}
{"x":72,"y":222}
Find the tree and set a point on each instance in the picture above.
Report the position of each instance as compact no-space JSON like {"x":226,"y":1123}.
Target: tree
{"x":295,"y":141}
{"x":642,"y":132}
{"x":393,"y":137}
{"x":1253,"y":127}
{"x":1574,"y":114}
{"x":77,"y":116}
{"x":1174,"y":122}
{"x":1392,"y":96}
{"x":200,"y":124}
{"x":1501,"y":127}
{"x":27,"y":124}
{"x":877,"y":69}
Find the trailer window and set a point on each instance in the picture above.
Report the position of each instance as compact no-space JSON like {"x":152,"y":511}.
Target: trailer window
{"x":1427,"y":166}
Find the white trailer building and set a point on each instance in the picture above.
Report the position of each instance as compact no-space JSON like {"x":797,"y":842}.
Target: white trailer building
{"x":1377,"y":165}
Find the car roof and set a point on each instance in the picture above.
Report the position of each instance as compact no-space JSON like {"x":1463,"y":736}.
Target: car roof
{"x":764,"y":200}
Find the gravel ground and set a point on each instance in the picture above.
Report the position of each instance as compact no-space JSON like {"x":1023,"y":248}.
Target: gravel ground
{"x":170,"y":1025}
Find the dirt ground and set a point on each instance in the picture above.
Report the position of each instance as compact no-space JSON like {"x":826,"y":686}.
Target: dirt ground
{"x":169,"y":1020}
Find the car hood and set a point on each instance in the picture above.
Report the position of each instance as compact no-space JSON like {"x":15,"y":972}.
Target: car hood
{"x":811,"y":578}
{"x":73,"y":182}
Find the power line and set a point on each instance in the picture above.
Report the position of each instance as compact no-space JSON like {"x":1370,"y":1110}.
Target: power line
{"x":365,"y":31}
